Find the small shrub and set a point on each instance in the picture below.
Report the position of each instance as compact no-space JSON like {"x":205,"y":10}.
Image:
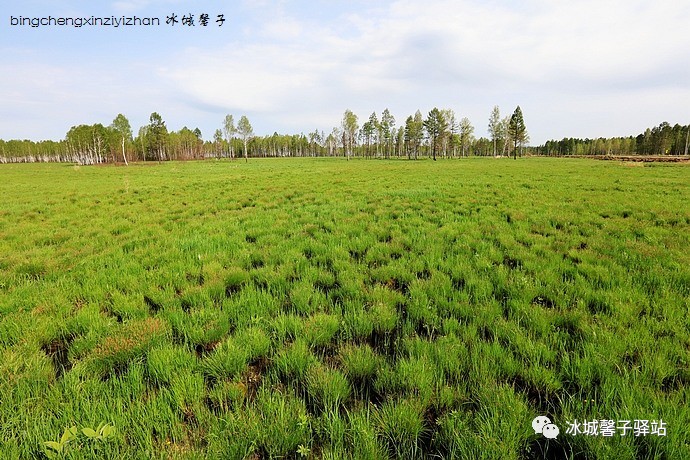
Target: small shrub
{"x":226,"y":361}
{"x":196,"y":298}
{"x":200,"y":327}
{"x":328,"y":388}
{"x":303,"y":298}
{"x":225,"y":395}
{"x":320,"y":329}
{"x":384,"y":317}
{"x":294,"y":362}
{"x":359,"y":325}
{"x":187,"y":390}
{"x":235,"y":280}
{"x":286,"y":327}
{"x":401,"y":426}
{"x":359,"y":362}
{"x":281,"y":424}
{"x":162,"y":364}
{"x":255,"y":342}
{"x":362,"y":438}
{"x":418,"y":377}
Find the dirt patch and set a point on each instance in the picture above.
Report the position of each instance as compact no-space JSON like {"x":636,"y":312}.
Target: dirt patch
{"x":57,"y":350}
{"x":543,"y":301}
{"x":203,"y":349}
{"x":253,"y":377}
{"x":543,"y":400}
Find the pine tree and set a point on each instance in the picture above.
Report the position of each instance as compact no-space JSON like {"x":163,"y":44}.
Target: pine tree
{"x":517,"y":131}
{"x":436,"y":126}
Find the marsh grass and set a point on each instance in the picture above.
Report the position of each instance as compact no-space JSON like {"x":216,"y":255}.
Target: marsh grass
{"x":327,"y":309}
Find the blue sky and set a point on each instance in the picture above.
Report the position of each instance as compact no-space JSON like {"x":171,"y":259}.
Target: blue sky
{"x":578,"y":68}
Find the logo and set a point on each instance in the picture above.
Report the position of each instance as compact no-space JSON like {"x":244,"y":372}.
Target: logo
{"x":542,"y":425}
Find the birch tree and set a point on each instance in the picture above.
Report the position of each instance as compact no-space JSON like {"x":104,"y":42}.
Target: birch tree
{"x":387,"y":129}
{"x":466,"y":134}
{"x":229,"y":130}
{"x":495,"y":126}
{"x":157,"y":134}
{"x":218,"y":142}
{"x":121,"y":127}
{"x":349,"y":131}
{"x":246,"y":132}
{"x":449,"y":140}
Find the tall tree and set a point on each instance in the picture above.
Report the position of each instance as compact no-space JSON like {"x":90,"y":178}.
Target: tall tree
{"x":408,"y":136}
{"x":495,"y":126}
{"x":369,"y":130}
{"x":387,"y":126}
{"x":121,"y":127}
{"x":450,"y":138}
{"x":400,"y":141}
{"x":315,"y":141}
{"x":436,"y":126}
{"x":141,"y":142}
{"x":229,"y":130}
{"x":246,"y":132}
{"x":332,"y":142}
{"x":218,"y":143}
{"x":349,"y":127}
{"x":88,"y":144}
{"x":414,"y":133}
{"x":157,"y":134}
{"x":466,"y":134}
{"x":517,"y":131}
{"x":418,"y":133}
{"x":503,"y":136}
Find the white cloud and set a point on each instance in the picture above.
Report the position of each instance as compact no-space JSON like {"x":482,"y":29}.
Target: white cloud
{"x":294,"y":70}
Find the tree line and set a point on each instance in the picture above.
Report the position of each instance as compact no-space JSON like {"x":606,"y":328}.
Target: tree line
{"x":661,"y":140}
{"x":439,"y":134}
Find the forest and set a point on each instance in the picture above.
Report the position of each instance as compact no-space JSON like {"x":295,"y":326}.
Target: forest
{"x":441,"y":133}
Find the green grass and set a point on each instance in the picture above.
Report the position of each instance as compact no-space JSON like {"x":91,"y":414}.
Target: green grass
{"x":330,"y":309}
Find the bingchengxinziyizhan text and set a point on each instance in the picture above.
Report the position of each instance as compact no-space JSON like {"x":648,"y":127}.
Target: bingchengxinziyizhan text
{"x":202,"y":20}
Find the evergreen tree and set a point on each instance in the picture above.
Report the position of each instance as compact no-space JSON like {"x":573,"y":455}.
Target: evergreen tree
{"x":517,"y":131}
{"x":436,"y":126}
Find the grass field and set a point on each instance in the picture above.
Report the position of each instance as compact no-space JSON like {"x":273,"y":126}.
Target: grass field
{"x":331,"y":309}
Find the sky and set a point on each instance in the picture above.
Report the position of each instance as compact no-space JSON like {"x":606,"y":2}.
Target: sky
{"x":577,"y":68}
